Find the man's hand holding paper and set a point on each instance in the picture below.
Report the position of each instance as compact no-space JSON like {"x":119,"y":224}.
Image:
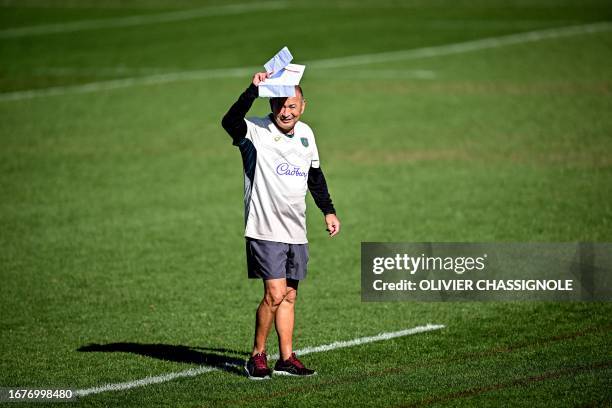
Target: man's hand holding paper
{"x":259,"y":77}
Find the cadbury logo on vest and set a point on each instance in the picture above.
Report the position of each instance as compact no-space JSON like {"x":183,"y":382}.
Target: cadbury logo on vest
{"x":286,"y":169}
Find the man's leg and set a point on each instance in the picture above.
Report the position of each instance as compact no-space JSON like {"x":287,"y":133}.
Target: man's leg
{"x":288,"y":363}
{"x":285,"y":317}
{"x":275,"y":291}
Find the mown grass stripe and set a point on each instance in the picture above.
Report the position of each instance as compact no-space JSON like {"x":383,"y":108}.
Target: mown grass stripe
{"x":138,"y":20}
{"x":356,"y":60}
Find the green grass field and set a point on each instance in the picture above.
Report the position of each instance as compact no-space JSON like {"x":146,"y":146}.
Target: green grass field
{"x":121,"y":208}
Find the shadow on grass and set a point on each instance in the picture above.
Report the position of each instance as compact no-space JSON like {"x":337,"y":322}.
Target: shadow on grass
{"x":208,"y":356}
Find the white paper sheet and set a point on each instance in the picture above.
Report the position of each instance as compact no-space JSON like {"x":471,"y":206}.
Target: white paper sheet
{"x":282,"y":84}
{"x":279,"y":61}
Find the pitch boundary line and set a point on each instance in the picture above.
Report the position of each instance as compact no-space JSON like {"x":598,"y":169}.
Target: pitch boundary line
{"x":143,"y":19}
{"x":463,"y":47}
{"x":128,"y":82}
{"x":192,"y":372}
{"x":356,"y":60}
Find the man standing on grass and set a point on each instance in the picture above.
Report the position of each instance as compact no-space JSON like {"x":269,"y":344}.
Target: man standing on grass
{"x":281,"y":163}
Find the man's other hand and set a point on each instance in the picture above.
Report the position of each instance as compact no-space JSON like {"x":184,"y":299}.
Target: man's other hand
{"x":333,"y":224}
{"x":259,"y":77}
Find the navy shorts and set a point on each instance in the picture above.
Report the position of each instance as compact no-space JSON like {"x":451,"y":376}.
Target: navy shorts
{"x":276,"y":260}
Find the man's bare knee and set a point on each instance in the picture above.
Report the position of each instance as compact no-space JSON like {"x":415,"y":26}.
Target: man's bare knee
{"x":290,"y":295}
{"x":273,"y":298}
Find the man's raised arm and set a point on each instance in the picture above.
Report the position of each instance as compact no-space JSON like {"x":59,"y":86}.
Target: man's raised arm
{"x":233,"y":121}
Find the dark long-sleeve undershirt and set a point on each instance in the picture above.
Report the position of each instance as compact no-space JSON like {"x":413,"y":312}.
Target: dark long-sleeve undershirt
{"x":234,"y":124}
{"x":318,"y":188}
{"x":233,"y":121}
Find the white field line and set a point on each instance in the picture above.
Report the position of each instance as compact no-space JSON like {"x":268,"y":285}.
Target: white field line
{"x":192,"y":372}
{"x":365,"y":59}
{"x":116,"y":70}
{"x":369,"y":73}
{"x":365,"y":340}
{"x":460,"y":48}
{"x":138,"y":20}
{"x":128,"y":82}
{"x":148,"y":71}
{"x":158,"y":79}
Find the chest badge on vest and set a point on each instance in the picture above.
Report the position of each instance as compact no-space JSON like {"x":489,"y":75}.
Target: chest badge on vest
{"x":304,"y":141}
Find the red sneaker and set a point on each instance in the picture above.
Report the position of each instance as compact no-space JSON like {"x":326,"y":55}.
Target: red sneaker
{"x":257,"y":367}
{"x":292,"y":366}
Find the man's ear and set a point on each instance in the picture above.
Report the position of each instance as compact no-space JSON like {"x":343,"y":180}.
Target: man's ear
{"x":303,"y":106}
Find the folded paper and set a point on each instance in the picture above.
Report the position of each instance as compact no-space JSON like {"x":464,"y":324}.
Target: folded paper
{"x":282,"y":84}
{"x":284,"y":76}
{"x":279,"y":61}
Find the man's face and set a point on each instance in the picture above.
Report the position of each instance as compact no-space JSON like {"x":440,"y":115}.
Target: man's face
{"x":287,"y":111}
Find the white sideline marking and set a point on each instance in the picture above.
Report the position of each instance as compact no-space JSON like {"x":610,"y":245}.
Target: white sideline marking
{"x":127,"y":82}
{"x":459,"y":48}
{"x":364,"y":340}
{"x":369,"y":73}
{"x":100,"y":70}
{"x":355,"y":60}
{"x":192,"y":372}
{"x":130,"y":21}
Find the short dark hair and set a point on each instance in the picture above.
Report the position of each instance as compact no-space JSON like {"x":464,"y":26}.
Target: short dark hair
{"x":272,"y":100}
